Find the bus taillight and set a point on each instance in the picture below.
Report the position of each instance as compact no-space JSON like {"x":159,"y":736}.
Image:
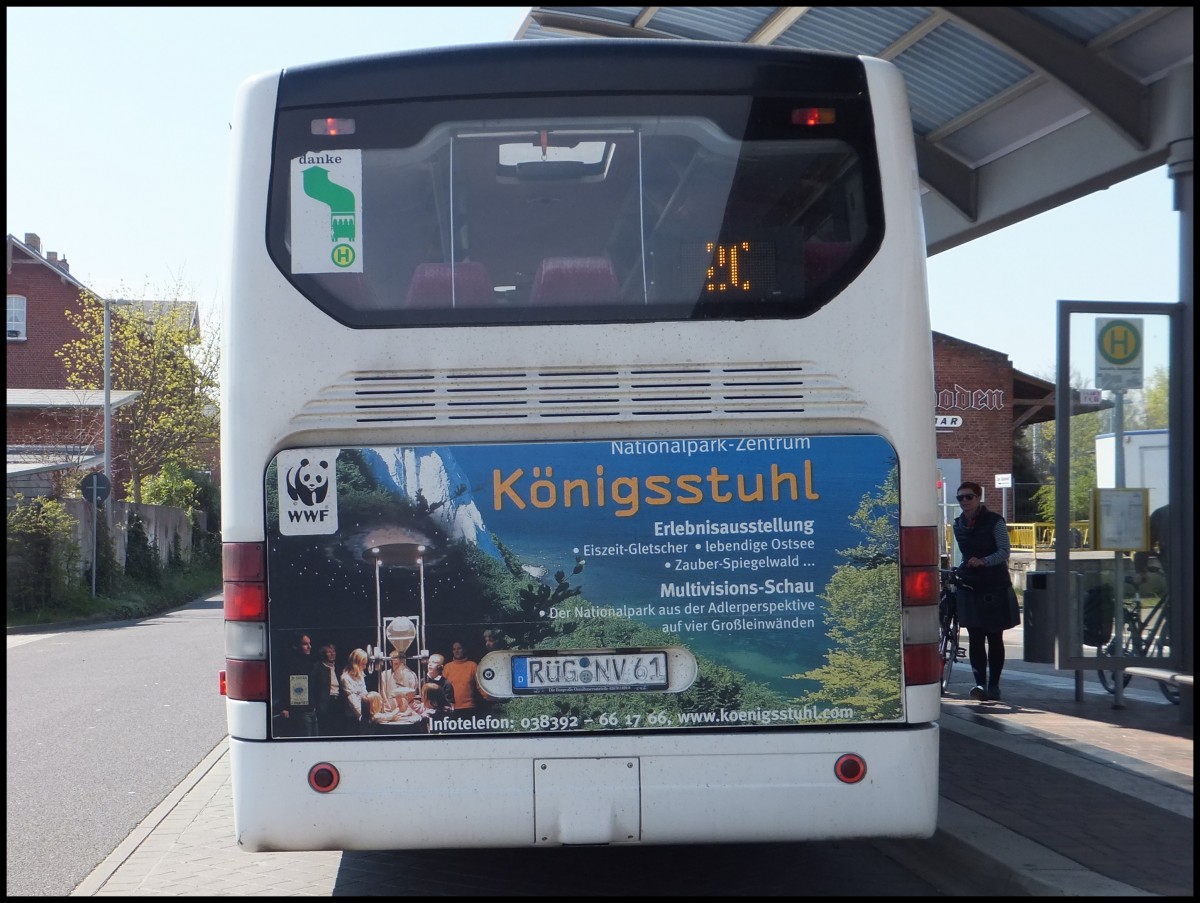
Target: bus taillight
{"x":246,"y":681}
{"x":244,"y":572}
{"x":922,"y":664}
{"x":919,"y":590}
{"x":244,"y":569}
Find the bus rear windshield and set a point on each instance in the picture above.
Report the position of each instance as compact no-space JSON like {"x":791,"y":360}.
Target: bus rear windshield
{"x":574,"y":209}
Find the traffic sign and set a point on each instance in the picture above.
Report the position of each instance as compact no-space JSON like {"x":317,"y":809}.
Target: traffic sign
{"x":1119,"y":353}
{"x":95,"y":487}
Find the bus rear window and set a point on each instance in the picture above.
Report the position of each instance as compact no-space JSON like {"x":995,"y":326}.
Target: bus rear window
{"x":755,"y":209}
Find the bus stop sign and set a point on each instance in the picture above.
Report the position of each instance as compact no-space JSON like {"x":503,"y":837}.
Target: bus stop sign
{"x":1119,"y":353}
{"x":95,"y":487}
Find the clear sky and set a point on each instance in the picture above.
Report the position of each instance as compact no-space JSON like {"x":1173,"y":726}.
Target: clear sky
{"x":118,"y":144}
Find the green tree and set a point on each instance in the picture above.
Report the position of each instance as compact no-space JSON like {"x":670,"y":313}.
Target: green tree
{"x":1082,"y":446}
{"x":862,"y":669}
{"x":172,"y":486}
{"x":161,"y":355}
{"x":1082,"y":462}
{"x":108,"y":569}
{"x":141,"y":554}
{"x":43,"y":557}
{"x":1154,"y":400}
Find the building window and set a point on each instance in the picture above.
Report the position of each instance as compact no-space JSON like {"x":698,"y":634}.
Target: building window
{"x":16,"y":317}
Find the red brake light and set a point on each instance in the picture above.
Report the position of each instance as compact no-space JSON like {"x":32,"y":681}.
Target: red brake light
{"x":814,"y":116}
{"x":244,"y":567}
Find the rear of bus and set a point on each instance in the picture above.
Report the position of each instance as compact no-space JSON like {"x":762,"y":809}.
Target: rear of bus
{"x":577,"y":449}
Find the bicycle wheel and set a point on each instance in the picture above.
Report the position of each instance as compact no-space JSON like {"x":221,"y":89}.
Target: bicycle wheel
{"x":948,"y":648}
{"x":1108,"y":680}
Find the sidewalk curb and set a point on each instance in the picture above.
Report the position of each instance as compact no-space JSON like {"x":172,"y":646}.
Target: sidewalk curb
{"x":998,"y":860}
{"x":100,"y":875}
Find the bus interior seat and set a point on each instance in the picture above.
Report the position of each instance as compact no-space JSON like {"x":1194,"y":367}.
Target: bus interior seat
{"x":574,"y":280}
{"x":431,"y":285}
{"x":821,"y":258}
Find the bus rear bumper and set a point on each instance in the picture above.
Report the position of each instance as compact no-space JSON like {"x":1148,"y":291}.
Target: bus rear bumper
{"x":610,"y":789}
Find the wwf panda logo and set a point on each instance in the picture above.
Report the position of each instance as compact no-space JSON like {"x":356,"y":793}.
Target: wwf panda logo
{"x":308,"y":483}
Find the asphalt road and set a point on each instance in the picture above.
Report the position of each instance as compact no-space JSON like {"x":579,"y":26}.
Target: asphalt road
{"x":103,"y":722}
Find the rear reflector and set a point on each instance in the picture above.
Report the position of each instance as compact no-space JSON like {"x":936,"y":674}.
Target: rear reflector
{"x":323,"y":777}
{"x":850,"y":768}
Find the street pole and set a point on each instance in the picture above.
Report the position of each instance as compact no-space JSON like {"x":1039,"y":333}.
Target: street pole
{"x":107,"y":389}
{"x":95,"y":505}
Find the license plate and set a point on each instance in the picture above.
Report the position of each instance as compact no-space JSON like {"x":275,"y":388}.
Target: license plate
{"x":606,"y":672}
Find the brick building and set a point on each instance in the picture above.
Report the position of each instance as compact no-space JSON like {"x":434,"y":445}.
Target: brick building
{"x":981,"y":403}
{"x":52,"y":432}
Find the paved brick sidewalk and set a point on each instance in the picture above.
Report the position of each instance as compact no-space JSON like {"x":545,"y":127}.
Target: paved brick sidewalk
{"x":185,"y":848}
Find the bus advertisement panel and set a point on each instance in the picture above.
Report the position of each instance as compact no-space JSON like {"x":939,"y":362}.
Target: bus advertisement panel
{"x":689,"y":583}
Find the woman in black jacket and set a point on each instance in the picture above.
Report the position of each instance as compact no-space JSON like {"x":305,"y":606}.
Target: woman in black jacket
{"x":989,"y":608}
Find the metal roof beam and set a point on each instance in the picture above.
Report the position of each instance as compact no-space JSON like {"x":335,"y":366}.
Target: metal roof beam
{"x":952,"y":179}
{"x":1118,"y":98}
{"x":642,"y":19}
{"x":590,"y":26}
{"x":776,"y":24}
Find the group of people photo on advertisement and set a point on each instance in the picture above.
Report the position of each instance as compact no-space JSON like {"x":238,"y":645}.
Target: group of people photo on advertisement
{"x":319,"y":694}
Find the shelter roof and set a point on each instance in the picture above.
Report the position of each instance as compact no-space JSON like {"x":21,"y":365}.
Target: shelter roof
{"x":1015,"y":110}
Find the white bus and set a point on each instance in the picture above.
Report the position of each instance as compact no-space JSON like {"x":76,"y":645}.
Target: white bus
{"x":592,"y":380}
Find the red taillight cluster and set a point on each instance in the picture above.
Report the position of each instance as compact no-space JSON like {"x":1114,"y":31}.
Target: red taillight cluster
{"x":919,"y":589}
{"x":245,"y":584}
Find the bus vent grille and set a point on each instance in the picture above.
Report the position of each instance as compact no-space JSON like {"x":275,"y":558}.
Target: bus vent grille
{"x":576,"y":394}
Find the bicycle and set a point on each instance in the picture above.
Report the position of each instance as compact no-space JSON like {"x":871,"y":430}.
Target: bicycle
{"x":1141,"y":637}
{"x":949,"y":648}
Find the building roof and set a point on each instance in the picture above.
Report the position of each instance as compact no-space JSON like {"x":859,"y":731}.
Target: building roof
{"x":58,"y":265}
{"x":24,"y":463}
{"x":70,"y":398}
{"x":1033,"y":397}
{"x":1015,"y":110}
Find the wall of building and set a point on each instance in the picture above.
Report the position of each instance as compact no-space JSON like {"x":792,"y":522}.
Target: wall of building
{"x":48,"y":291}
{"x":975,"y":386}
{"x":80,"y":428}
